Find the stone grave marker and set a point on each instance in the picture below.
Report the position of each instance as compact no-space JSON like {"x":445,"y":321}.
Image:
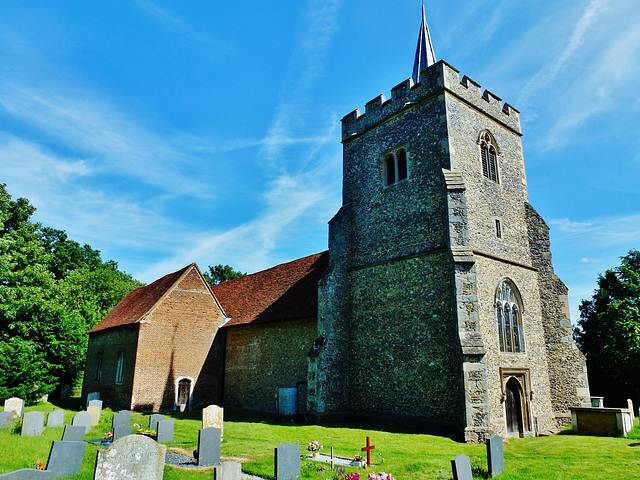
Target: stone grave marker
{"x":287,"y":461}
{"x":32,"y":424}
{"x":132,"y":457}
{"x":123,"y":417}
{"x":495,"y":455}
{"x":120,"y":431}
{"x":15,"y":405}
{"x":228,"y":470}
{"x":94,"y":411}
{"x":83,"y":418}
{"x":55,"y":419}
{"x":153,"y":421}
{"x":165,"y":431}
{"x":213,"y":416}
{"x":6,"y":419}
{"x":65,"y":391}
{"x":461,"y":466}
{"x":209,"y":446}
{"x":27,"y":474}
{"x":93,"y":396}
{"x":65,"y":458}
{"x":74,"y":433}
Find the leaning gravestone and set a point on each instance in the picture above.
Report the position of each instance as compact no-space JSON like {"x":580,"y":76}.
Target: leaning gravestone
{"x":93,"y":396}
{"x":153,"y":421}
{"x":83,"y":418}
{"x":55,"y":419}
{"x":228,"y":470}
{"x":132,"y":457}
{"x":287,"y":461}
{"x":65,"y":458}
{"x":495,"y":455}
{"x":121,"y":431}
{"x":461,"y":466}
{"x":209,"y":446}
{"x":6,"y":419}
{"x":15,"y":405}
{"x":74,"y":433}
{"x":213,"y":416}
{"x":32,"y":424}
{"x":123,"y":417}
{"x":94,"y":411}
{"x":27,"y":474}
{"x":165,"y":431}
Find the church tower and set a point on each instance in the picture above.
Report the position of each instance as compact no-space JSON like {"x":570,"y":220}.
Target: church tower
{"x":436,"y":310}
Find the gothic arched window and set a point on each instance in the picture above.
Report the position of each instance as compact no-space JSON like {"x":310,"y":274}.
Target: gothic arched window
{"x":508,"y":313}
{"x":488,"y":155}
{"x":395,"y":166}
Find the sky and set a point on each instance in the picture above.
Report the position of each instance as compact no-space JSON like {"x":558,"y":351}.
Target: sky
{"x":164,"y":132}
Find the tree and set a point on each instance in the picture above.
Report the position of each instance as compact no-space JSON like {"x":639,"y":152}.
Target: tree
{"x":67,"y":255}
{"x":221,"y":273}
{"x":608,"y":332}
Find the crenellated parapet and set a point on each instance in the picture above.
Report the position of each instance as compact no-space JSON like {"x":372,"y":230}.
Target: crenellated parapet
{"x":435,"y":80}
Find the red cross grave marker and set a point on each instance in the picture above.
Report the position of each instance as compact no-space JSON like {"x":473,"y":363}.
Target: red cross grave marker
{"x":368,"y":449}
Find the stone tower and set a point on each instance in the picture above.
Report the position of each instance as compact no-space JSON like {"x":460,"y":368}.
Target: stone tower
{"x":436,"y":309}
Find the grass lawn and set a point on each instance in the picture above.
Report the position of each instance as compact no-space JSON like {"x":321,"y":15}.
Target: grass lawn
{"x":405,"y":455}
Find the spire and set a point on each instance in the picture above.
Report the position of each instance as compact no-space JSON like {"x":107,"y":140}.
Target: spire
{"x":424,"y":51}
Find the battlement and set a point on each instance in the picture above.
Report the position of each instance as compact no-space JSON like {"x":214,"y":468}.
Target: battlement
{"x":435,"y":80}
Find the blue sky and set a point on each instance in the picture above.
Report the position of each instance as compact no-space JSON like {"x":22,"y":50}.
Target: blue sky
{"x":163,"y":133}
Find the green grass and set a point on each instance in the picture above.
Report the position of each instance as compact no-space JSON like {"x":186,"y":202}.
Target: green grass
{"x":406,"y":455}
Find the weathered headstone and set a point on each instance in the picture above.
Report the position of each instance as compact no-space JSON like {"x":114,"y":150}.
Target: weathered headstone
{"x":461,"y":466}
{"x":83,"y":418}
{"x":15,"y":405}
{"x":287,"y":461}
{"x":65,"y":458}
{"x":228,"y":470}
{"x":27,"y":474}
{"x":165,"y":431}
{"x":6,"y":419}
{"x":65,"y":391}
{"x":93,"y":396}
{"x":94,"y":411}
{"x":153,"y":421}
{"x":209,"y":446}
{"x":134,"y":456}
{"x":74,"y":433}
{"x":213,"y":416}
{"x":495,"y":455}
{"x":123,"y":417}
{"x":97,"y":403}
{"x":32,"y":424}
{"x":55,"y":419}
{"x":120,"y":431}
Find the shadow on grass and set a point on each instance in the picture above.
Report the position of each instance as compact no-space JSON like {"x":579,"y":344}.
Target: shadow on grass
{"x":71,"y":403}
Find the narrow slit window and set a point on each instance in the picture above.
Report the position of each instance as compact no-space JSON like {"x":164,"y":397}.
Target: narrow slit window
{"x":498,"y":228}
{"x":99,"y":358}
{"x":120,"y":368}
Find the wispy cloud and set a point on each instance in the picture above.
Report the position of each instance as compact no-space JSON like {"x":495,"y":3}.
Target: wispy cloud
{"x":600,"y":233}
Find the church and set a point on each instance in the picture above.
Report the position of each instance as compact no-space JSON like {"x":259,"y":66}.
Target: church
{"x":435,"y":306}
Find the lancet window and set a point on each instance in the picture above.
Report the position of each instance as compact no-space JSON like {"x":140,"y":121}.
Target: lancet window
{"x":509,"y":317}
{"x":395,"y":166}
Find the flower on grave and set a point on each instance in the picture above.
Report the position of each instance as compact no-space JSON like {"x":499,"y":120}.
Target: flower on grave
{"x":358,"y":458}
{"x":381,"y":476}
{"x":40,"y":466}
{"x":314,"y":446}
{"x":107,"y":437}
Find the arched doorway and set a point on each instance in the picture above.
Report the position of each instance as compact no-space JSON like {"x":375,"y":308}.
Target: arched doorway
{"x":184,"y":393}
{"x":513,"y":408}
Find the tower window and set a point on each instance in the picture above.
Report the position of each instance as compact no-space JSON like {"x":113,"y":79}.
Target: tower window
{"x":395,"y":166}
{"x":488,"y":155}
{"x":498,"y":228}
{"x":508,"y":313}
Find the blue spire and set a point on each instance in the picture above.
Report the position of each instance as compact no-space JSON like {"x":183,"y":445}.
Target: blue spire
{"x":424,"y":51}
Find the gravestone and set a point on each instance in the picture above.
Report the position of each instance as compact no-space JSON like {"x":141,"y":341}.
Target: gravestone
{"x":55,"y":419}
{"x":132,"y":457}
{"x":27,"y":474}
{"x":209,"y":446}
{"x":495,"y":455}
{"x":165,"y":431}
{"x":153,"y":421}
{"x":461,"y":466}
{"x":287,"y":461}
{"x":93,"y":396}
{"x":120,"y":431}
{"x":228,"y":470}
{"x":15,"y":405}
{"x":123,"y":417}
{"x":65,"y":458}
{"x":32,"y":424}
{"x":6,"y":419}
{"x":96,"y":402}
{"x":65,"y":391}
{"x":213,"y":416}
{"x":94,"y":411}
{"x":83,"y":418}
{"x":74,"y":433}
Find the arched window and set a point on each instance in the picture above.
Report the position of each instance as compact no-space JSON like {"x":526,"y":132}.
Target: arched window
{"x":488,"y":155}
{"x":508,"y":314}
{"x":395,"y":166}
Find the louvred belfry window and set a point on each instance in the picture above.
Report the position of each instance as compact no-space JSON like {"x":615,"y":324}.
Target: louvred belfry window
{"x":488,"y":155}
{"x":395,"y":166}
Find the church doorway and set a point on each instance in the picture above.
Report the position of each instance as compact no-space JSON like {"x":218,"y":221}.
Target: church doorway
{"x":513,"y":408}
{"x":184,"y":393}
{"x":516,"y":388}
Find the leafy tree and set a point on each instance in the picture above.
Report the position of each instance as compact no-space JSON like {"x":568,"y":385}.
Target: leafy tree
{"x":221,"y":273}
{"x":67,"y":255}
{"x":608,"y":332}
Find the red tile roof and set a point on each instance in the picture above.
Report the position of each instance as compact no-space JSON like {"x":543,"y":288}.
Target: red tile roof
{"x":137,"y":304}
{"x":283,"y":292}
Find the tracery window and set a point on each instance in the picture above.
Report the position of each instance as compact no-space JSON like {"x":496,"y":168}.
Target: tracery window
{"x":508,"y":313}
{"x":395,"y":166}
{"x":488,"y":155}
